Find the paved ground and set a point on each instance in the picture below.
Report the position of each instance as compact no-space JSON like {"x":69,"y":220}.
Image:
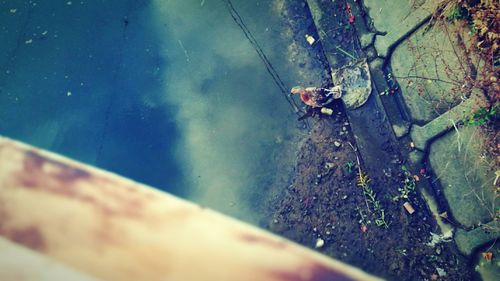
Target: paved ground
{"x":430,"y":69}
{"x":423,"y":88}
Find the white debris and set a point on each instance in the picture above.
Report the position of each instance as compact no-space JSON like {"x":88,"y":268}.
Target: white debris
{"x":28,"y":41}
{"x":69,"y":3}
{"x":69,"y":93}
{"x":436,"y":238}
{"x":13,"y":11}
{"x":441,"y":272}
{"x":45,"y":32}
{"x":319,"y":243}
{"x":310,"y":39}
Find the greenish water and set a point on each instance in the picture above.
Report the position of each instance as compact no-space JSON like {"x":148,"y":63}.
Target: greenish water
{"x":168,"y":93}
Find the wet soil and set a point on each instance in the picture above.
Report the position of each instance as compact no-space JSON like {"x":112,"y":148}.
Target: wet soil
{"x":323,"y":200}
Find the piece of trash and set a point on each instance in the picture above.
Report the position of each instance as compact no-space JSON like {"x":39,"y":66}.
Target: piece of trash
{"x":69,"y":93}
{"x":409,"y":208}
{"x":313,"y":96}
{"x":337,"y":144}
{"x":319,"y":243}
{"x":13,"y":11}
{"x":416,"y":178}
{"x":326,"y":111}
{"x":28,"y":41}
{"x":351,"y":19}
{"x":444,"y":215}
{"x":364,"y":228}
{"x":412,"y":145}
{"x":310,"y":39}
{"x":441,"y":272}
{"x":436,"y":238}
{"x":45,"y":33}
{"x":335,"y":91}
{"x":488,"y":256}
{"x":344,"y":197}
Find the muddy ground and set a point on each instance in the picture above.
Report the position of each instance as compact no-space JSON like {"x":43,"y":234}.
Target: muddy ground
{"x":324,"y":201}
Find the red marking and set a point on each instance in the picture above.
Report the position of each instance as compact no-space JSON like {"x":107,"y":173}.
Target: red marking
{"x":305,"y":97}
{"x":351,"y":19}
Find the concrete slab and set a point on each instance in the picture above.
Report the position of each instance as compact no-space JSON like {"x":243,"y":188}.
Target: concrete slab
{"x":397,"y":18}
{"x":422,"y":135}
{"x":431,"y":70}
{"x":465,"y":175}
{"x":468,"y":241}
{"x":489,"y":270}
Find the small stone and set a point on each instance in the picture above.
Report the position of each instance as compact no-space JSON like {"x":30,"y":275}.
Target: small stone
{"x":344,"y":129}
{"x":441,"y":272}
{"x":319,"y":243}
{"x":344,"y":197}
{"x":337,"y":144}
{"x":69,"y":93}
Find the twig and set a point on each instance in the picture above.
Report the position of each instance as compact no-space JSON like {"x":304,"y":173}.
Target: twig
{"x":345,"y":52}
{"x":427,"y":78}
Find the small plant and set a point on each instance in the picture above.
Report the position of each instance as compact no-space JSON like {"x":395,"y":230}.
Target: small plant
{"x":363,"y":217}
{"x":456,"y":13}
{"x":371,"y":199}
{"x":409,"y":185}
{"x":381,"y":220}
{"x":483,"y":116}
{"x":348,"y":166}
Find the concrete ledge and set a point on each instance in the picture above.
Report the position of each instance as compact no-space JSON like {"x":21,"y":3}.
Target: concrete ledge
{"x":396,"y":22}
{"x":468,"y":241}
{"x":423,"y":135}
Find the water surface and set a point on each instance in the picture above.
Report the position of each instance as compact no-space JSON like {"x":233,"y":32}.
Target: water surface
{"x":168,"y":93}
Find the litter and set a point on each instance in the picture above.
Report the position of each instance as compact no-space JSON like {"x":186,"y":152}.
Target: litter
{"x":310,"y":39}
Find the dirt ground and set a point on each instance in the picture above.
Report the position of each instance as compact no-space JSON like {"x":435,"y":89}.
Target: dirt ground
{"x":324,"y":203}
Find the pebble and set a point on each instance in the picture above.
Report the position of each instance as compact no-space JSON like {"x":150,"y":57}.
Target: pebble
{"x":329,"y":165}
{"x":438,"y":251}
{"x":68,"y":93}
{"x":344,"y":129}
{"x":337,"y":143}
{"x":344,"y":197}
{"x":319,"y":243}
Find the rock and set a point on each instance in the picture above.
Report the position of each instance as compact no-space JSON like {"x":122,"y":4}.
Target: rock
{"x":319,"y":243}
{"x":337,"y":144}
{"x":356,"y":82}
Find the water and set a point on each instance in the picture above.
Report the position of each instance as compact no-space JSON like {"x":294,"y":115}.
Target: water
{"x":168,"y":93}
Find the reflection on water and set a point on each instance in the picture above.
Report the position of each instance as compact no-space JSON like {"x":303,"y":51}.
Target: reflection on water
{"x":169,"y":93}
